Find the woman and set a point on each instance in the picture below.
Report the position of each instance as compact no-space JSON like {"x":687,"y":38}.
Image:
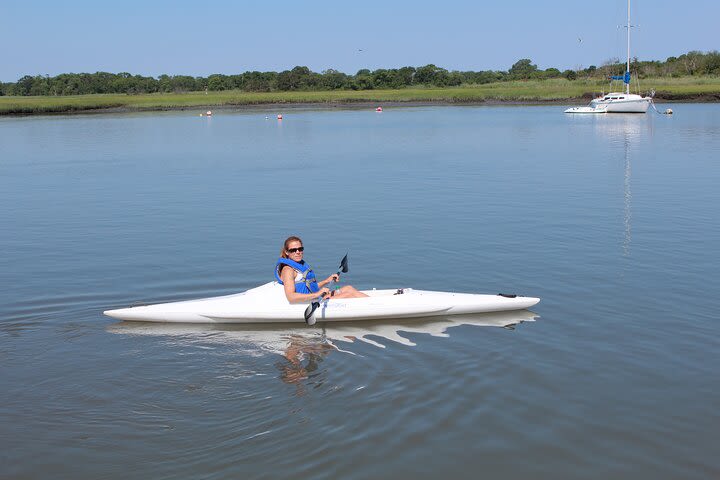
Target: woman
{"x":299,"y":280}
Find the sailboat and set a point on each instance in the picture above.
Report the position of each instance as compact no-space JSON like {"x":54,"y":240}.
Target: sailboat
{"x":618,"y":102}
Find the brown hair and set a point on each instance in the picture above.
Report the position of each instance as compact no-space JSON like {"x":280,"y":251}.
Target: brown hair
{"x":283,"y":252}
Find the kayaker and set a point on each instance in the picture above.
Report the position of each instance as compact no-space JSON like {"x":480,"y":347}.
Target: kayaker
{"x":299,"y":279}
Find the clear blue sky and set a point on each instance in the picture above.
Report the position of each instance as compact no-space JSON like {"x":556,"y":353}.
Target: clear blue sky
{"x":151,"y":37}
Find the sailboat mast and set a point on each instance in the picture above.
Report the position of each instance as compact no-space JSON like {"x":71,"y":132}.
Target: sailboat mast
{"x":627,"y":85}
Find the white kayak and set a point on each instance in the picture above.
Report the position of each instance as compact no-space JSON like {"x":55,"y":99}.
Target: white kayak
{"x":268,"y":304}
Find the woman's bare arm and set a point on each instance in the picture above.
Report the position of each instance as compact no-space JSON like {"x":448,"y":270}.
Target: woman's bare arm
{"x":288,"y":277}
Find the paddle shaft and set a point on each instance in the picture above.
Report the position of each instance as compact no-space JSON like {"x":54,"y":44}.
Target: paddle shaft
{"x":310,"y":310}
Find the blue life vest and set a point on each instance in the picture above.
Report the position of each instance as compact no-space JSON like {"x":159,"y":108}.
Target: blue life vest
{"x":307,"y":282}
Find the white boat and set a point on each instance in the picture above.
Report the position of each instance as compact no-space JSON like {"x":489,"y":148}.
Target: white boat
{"x":268,"y":304}
{"x":589,"y":109}
{"x":618,"y":102}
{"x":615,"y":103}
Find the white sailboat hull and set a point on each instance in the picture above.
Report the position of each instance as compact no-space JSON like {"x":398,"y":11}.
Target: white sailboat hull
{"x":615,"y":103}
{"x":632,"y":105}
{"x":267,"y":304}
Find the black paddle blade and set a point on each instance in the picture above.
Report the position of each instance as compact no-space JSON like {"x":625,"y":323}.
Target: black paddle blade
{"x":309,"y":313}
{"x":344,"y":264}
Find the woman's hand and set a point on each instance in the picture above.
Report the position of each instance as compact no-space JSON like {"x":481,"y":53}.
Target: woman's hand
{"x":332,"y":277}
{"x":324,"y":292}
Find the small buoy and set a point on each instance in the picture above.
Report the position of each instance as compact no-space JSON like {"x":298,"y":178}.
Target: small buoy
{"x":208,"y":113}
{"x":279,"y":116}
{"x":668,"y":111}
{"x":378,"y":109}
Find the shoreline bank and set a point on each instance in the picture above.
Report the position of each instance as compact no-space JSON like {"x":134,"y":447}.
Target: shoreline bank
{"x":89,"y":104}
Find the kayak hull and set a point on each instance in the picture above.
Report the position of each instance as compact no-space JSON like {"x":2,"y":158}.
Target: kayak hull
{"x":267,"y":304}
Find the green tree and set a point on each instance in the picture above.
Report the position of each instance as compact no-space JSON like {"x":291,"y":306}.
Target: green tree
{"x":40,"y":86}
{"x":165,"y":83}
{"x":24,"y":85}
{"x":235,"y":82}
{"x":711,"y":63}
{"x":186,"y":83}
{"x":362,"y":81}
{"x":217,"y":82}
{"x":552,"y":73}
{"x":441,"y":78}
{"x":259,"y":81}
{"x":691,"y":61}
{"x":522,"y":69}
{"x":488,"y":76}
{"x":295,"y":79}
{"x":426,"y":75}
{"x":382,"y":78}
{"x":406,"y":76}
{"x":455,"y":79}
{"x":333,"y":79}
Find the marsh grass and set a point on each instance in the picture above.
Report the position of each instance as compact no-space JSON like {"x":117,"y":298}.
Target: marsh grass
{"x":515,"y":91}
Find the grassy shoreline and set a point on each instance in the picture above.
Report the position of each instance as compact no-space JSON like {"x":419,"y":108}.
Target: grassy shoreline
{"x":559,"y":91}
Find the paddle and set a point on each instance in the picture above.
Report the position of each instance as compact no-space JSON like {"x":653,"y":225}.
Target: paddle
{"x":310,"y":310}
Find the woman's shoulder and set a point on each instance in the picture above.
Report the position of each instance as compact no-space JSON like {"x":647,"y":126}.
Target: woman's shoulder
{"x":282,"y":270}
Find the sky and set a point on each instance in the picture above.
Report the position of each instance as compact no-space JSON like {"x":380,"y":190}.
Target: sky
{"x":154,"y":37}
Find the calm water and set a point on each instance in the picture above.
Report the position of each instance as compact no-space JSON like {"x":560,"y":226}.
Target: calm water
{"x":612,"y":220}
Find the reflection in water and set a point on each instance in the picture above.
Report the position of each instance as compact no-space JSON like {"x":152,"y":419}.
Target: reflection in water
{"x":304,"y":348}
{"x":628,"y":196}
{"x":349,"y":332}
{"x":624,"y":130}
{"x":303,"y":355}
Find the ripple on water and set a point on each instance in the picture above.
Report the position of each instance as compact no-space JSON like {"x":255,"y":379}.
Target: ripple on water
{"x":611,"y":220}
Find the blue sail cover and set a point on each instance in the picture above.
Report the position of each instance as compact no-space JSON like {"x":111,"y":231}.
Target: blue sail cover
{"x":625,"y":78}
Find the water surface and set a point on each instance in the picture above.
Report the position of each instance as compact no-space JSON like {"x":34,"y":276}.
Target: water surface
{"x":612,"y":220}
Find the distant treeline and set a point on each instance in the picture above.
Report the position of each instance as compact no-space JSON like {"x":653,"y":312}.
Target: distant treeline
{"x":301,"y":78}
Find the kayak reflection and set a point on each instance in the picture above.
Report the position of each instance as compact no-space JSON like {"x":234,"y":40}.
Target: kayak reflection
{"x":279,"y":338}
{"x":435,"y":326}
{"x":305,"y":348}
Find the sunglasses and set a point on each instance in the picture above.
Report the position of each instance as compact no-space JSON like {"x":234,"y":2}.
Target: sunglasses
{"x":293,"y":250}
